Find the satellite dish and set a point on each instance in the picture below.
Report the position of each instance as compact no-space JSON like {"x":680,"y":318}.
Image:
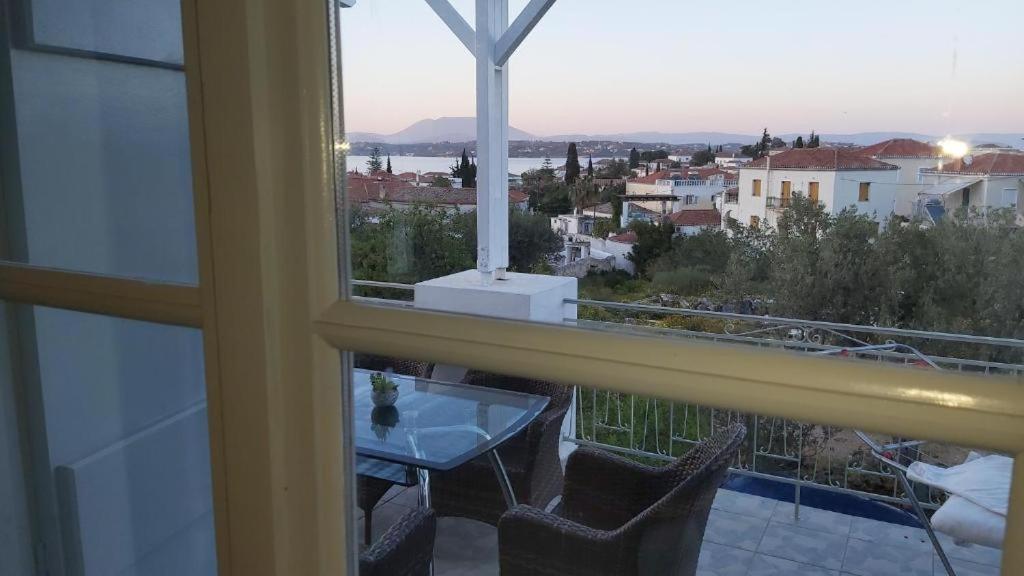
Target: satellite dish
{"x":968,"y":159}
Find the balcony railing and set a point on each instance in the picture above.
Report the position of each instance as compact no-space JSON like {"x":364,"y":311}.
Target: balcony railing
{"x":732,"y":198}
{"x":685,"y":182}
{"x":777,"y":202}
{"x":797,"y":453}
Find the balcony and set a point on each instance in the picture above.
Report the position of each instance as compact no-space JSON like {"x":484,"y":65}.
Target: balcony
{"x":800,"y":496}
{"x":777,"y":202}
{"x":732,"y":197}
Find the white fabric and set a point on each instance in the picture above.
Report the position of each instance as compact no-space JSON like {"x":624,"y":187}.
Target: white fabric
{"x":979,"y":497}
{"x":964,"y":520}
{"x":984,"y":481}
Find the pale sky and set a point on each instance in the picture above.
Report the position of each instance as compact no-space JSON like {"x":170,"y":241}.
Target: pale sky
{"x":603,"y":66}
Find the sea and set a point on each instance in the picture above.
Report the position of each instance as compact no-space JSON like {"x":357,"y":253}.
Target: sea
{"x":401,"y":164}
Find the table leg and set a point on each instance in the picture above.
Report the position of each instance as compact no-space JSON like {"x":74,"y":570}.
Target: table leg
{"x":423,"y":476}
{"x":502,"y":474}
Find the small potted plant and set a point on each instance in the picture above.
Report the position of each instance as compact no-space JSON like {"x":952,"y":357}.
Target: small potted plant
{"x":384,"y":389}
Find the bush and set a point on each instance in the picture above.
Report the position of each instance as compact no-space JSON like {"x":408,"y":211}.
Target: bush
{"x":682,"y":281}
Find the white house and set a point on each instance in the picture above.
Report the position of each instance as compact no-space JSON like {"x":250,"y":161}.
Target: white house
{"x":837,"y":178}
{"x":911,"y":156}
{"x":690,"y":222}
{"x":983,"y":181}
{"x":680,"y":189}
{"x":731,"y":159}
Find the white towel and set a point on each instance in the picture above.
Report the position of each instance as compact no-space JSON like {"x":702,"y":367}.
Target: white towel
{"x":984,"y":481}
{"x":979,"y":497}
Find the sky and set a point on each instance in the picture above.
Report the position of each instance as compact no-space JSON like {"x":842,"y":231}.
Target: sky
{"x":605,"y":66}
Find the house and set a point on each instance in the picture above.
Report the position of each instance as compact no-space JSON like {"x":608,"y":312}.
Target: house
{"x":911,"y":156}
{"x":379,"y":191}
{"x":731,"y":159}
{"x":583,"y":222}
{"x":985,"y":181}
{"x":837,"y":178}
{"x":690,"y":222}
{"x":680,"y":189}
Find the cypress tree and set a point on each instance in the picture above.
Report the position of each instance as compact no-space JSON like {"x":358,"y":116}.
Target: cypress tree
{"x":799,"y":142}
{"x":590,"y":166}
{"x":572,"y":164}
{"x":389,"y":165}
{"x":634,"y":158}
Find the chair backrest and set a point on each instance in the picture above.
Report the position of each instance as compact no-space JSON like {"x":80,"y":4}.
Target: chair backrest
{"x":559,"y":394}
{"x":671,"y":530}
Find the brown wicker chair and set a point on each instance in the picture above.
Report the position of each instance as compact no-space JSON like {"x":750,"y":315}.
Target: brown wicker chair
{"x":369,"y":489}
{"x":621,"y":517}
{"x":406,"y":549}
{"x":530,"y":458}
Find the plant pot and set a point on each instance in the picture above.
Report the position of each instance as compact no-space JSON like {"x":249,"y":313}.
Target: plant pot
{"x":385,"y":398}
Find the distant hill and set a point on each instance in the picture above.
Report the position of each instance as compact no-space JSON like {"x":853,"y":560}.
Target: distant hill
{"x":447,"y":129}
{"x":463,"y":129}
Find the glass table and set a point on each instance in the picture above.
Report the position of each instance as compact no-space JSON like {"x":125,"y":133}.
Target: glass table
{"x":437,"y":426}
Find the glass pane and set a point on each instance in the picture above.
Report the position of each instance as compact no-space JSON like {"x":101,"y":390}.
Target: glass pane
{"x":858,"y":224}
{"x":105,"y":449}
{"x":96,"y":167}
{"x":616,"y":483}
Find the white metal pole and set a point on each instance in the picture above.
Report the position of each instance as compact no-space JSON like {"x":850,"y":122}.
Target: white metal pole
{"x":492,"y":142}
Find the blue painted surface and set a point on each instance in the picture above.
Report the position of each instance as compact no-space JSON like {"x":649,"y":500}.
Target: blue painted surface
{"x":848,"y":504}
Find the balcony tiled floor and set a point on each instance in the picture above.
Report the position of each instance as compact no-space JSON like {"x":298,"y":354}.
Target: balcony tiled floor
{"x":746,"y":536}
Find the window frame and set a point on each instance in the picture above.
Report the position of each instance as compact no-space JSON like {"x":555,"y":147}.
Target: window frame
{"x":755,"y":187}
{"x":260,"y":121}
{"x":864,"y":192}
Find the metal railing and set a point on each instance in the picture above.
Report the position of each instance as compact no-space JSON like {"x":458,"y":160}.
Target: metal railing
{"x":732,"y":198}
{"x":801,"y":454}
{"x":777,"y":202}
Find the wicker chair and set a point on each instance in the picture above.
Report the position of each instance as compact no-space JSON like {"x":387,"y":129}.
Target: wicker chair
{"x":369,"y":490}
{"x":406,"y":549}
{"x":621,"y":517}
{"x":530,"y":458}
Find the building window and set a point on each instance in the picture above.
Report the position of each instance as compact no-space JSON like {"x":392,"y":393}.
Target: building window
{"x":812,"y":191}
{"x":787,"y":188}
{"x":965,"y":197}
{"x":756,"y":189}
{"x":755,"y":221}
{"x":865,"y":192}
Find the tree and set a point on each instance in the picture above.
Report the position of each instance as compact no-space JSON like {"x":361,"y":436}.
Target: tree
{"x":652,"y":155}
{"x":652,"y":240}
{"x":388,"y":169}
{"x":374,"y":164}
{"x":582,"y":193}
{"x":548,"y":195}
{"x":590,"y":166}
{"x":465,"y":170}
{"x":441,"y":182}
{"x":814,"y":140}
{"x":572,"y":164}
{"x":702,"y":157}
{"x":799,"y":142}
{"x":778,"y":143}
{"x":605,"y":226}
{"x":615,"y":169}
{"x":546,"y":167}
{"x":634,"y":159}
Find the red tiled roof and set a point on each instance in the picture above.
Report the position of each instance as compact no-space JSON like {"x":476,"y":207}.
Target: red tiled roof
{"x":627,"y":237}
{"x":363,"y":189}
{"x":987,"y":164}
{"x":653,"y":177}
{"x":696,"y":218}
{"x":821,"y":159}
{"x":902,"y":148}
{"x":705,"y":173}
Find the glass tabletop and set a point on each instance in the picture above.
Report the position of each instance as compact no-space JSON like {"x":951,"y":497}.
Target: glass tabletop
{"x":437,"y":425}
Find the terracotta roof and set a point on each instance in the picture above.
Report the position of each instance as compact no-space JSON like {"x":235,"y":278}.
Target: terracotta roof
{"x":696,"y":218}
{"x":705,"y":173}
{"x":902,"y":148}
{"x":634,"y":207}
{"x":363,"y":189}
{"x":407,"y":175}
{"x":627,"y":237}
{"x":987,"y":164}
{"x":653,"y":177}
{"x":821,"y":159}
{"x":605,"y":208}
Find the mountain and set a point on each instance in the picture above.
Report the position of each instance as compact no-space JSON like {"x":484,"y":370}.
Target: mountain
{"x":463,"y":129}
{"x":447,"y":129}
{"x":713,"y":138}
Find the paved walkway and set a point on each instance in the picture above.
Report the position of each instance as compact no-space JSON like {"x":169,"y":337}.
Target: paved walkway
{"x":746,"y":536}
